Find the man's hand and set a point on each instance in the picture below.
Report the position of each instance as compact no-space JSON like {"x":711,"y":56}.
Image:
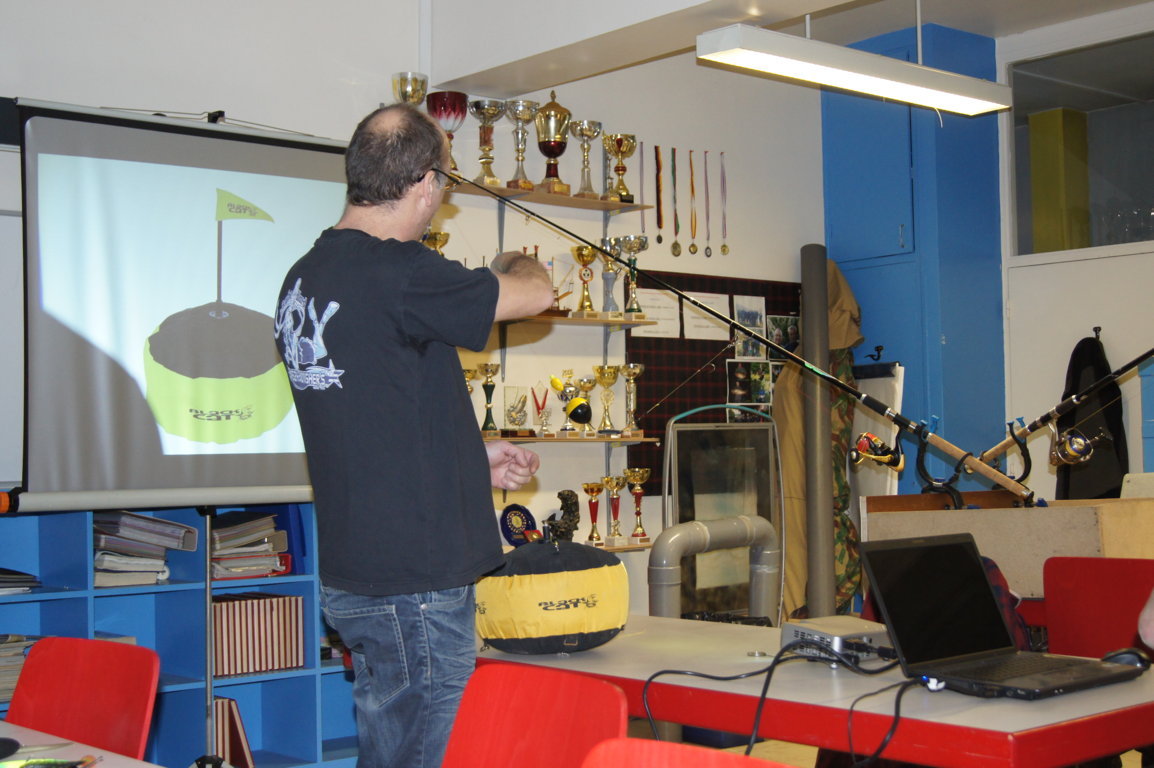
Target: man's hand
{"x":510,"y":466}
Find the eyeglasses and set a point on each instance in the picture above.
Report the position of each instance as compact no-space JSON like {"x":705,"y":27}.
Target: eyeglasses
{"x":451,"y":182}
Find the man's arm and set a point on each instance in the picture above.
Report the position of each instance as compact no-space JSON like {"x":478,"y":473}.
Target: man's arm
{"x":525,"y":287}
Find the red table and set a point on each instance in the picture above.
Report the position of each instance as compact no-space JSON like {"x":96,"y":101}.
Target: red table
{"x":808,"y":702}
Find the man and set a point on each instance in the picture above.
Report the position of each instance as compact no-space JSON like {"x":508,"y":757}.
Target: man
{"x":368,"y":326}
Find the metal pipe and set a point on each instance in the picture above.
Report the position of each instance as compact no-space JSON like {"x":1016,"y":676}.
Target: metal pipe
{"x":691,"y":538}
{"x":820,"y":582}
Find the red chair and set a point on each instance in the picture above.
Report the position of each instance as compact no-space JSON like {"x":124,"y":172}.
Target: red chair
{"x":647,"y":753}
{"x":96,"y":692}
{"x":533,"y":717}
{"x":1092,"y":603}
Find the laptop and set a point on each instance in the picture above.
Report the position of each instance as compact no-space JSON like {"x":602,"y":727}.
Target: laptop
{"x":948,"y":629}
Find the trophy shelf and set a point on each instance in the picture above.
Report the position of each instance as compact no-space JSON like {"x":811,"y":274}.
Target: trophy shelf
{"x":548,"y":198}
{"x":615,"y":441}
{"x":586,"y":321}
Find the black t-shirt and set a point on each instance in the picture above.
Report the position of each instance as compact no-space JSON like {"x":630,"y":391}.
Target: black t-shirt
{"x":369,"y":331}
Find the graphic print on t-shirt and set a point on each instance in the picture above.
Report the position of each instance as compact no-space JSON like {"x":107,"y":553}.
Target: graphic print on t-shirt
{"x":303,"y":353}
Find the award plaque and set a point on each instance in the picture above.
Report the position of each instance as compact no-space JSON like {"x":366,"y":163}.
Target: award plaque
{"x":517,"y":524}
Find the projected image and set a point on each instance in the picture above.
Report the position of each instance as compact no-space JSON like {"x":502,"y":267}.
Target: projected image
{"x":172,"y":272}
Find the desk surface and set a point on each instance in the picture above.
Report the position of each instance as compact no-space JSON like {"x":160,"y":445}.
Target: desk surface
{"x":69,"y":751}
{"x":808,"y":701}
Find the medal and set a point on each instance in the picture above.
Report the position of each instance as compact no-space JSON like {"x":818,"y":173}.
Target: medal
{"x":657,"y":182}
{"x":692,"y":206}
{"x":675,"y":249}
{"x":724,"y":247}
{"x":705,"y":181}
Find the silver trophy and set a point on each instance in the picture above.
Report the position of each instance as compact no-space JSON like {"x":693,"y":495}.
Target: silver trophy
{"x":609,"y":274}
{"x":633,"y":245}
{"x":521,"y":112}
{"x":487,"y":112}
{"x":585,"y":131}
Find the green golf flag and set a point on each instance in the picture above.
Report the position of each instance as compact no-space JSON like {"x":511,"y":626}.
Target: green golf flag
{"x":229,"y":206}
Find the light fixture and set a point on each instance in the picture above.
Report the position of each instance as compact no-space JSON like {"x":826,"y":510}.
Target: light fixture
{"x":800,"y":58}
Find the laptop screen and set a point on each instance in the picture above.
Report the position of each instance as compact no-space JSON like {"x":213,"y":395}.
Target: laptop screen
{"x":935,"y":597}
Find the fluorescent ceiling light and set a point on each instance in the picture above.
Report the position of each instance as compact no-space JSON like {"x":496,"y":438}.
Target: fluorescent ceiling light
{"x":800,"y":58}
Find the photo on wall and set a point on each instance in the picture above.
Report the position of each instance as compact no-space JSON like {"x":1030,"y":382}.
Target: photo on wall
{"x":749,"y":311}
{"x":785,"y":331}
{"x":750,"y":384}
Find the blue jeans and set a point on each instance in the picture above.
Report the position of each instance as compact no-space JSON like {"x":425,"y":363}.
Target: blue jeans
{"x":412,"y":655}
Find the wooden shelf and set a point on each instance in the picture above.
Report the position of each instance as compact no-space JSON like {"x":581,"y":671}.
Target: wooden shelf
{"x":547,"y":198}
{"x":588,"y":322}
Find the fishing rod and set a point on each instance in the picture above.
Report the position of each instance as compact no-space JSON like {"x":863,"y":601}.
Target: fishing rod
{"x":920,"y":431}
{"x":1070,"y":447}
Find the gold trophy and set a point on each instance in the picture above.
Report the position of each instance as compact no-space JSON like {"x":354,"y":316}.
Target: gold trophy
{"x":631,"y":371}
{"x":552,"y":122}
{"x":584,"y":255}
{"x":614,"y":484}
{"x":436,"y":240}
{"x":521,"y":112}
{"x":516,"y":413}
{"x":609,"y":273}
{"x":587,"y":384}
{"x":487,"y":112}
{"x":606,"y":377}
{"x":410,"y":87}
{"x":489,"y":370}
{"x":638,"y":476}
{"x":619,"y":146}
{"x":470,"y":374}
{"x":586,"y":131}
{"x":593,"y":490}
{"x":449,"y":109}
{"x":633,"y":245}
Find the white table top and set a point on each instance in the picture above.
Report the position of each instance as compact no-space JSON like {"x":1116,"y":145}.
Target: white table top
{"x":648,"y":644}
{"x":69,"y":751}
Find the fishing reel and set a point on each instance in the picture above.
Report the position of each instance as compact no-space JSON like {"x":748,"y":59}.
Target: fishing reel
{"x":870,"y":446}
{"x":1073,"y":447}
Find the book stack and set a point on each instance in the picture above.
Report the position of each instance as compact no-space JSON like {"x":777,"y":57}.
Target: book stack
{"x":257,"y":632}
{"x":13,"y":582}
{"x":13,"y":648}
{"x":133,"y":549}
{"x":231,"y":739}
{"x":247,"y":544}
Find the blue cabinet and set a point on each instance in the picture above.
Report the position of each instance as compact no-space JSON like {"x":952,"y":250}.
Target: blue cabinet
{"x":293,"y":717}
{"x":912,"y":218}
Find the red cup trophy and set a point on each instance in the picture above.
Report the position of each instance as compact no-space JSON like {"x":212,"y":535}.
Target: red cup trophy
{"x":593,"y":490}
{"x":552,"y":123}
{"x":614,"y":484}
{"x":638,"y":476}
{"x":449,"y":109}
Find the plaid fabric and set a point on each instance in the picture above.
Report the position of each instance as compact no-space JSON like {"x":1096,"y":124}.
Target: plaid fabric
{"x":675,"y":380}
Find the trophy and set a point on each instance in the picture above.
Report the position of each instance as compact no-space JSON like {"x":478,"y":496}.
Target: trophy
{"x":633,"y":245}
{"x":619,"y":146}
{"x":521,"y":112}
{"x":487,"y":112}
{"x":584,"y":255}
{"x":489,"y":370}
{"x":470,"y":374}
{"x":586,"y":131}
{"x":552,"y":122}
{"x":606,"y":377}
{"x":593,"y":490}
{"x":631,"y":371}
{"x":448,"y":108}
{"x":436,"y":240}
{"x":609,"y":273}
{"x":541,"y":408}
{"x":638,"y":476}
{"x":576,"y":408}
{"x":516,"y":413}
{"x":614,"y":484}
{"x":587,"y":384}
{"x":410,"y":87}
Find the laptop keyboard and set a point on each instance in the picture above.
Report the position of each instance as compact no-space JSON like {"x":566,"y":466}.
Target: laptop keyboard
{"x":1018,"y":666}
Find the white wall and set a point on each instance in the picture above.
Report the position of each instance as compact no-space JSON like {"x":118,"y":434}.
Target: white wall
{"x":1053,"y":300}
{"x":317,"y":68}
